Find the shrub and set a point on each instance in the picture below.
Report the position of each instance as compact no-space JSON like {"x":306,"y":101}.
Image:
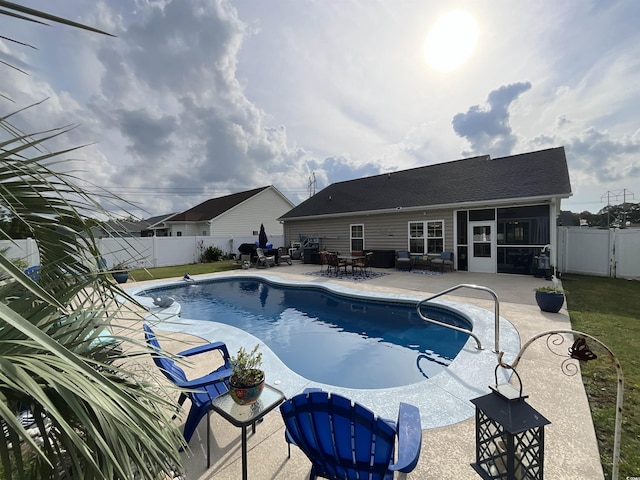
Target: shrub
{"x":212,"y":254}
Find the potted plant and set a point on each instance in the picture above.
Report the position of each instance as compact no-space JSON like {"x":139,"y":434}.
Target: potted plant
{"x":247,"y":381}
{"x":120,"y":272}
{"x":550,"y":298}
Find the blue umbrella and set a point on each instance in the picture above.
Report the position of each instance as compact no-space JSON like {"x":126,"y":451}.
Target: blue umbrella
{"x":262,"y":237}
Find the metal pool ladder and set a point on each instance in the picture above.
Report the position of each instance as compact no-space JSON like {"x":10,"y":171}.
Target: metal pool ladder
{"x":465,"y":330}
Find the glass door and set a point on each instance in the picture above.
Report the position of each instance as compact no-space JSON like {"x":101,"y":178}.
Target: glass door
{"x":482,"y":247}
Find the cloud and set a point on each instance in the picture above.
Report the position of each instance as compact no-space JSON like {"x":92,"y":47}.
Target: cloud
{"x":606,"y":159}
{"x":170,"y":99}
{"x":487,"y":127}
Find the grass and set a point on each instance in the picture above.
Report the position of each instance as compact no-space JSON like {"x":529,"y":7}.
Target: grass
{"x":609,"y":310}
{"x":140,"y":275}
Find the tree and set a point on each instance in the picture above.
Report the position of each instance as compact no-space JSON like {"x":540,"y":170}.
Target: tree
{"x":95,"y":418}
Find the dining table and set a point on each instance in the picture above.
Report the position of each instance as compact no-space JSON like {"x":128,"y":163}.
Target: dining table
{"x":349,"y":258}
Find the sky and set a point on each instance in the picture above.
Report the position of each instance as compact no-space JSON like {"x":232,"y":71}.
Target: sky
{"x":197,"y":99}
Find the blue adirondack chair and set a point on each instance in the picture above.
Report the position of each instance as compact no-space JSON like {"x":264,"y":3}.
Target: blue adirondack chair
{"x":345,"y":440}
{"x":33,"y":272}
{"x":201,"y":391}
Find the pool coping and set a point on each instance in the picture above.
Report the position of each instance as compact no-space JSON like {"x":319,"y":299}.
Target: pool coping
{"x":443,"y":399}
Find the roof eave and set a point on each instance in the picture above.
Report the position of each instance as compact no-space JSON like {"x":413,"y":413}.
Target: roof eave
{"x":457,"y":205}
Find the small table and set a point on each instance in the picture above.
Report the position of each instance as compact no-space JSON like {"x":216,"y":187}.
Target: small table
{"x":244,"y":415}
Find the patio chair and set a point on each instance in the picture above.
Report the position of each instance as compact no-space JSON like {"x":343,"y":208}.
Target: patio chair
{"x":445,"y":260}
{"x":324,"y":260}
{"x":403,"y":260}
{"x":344,"y":439}
{"x":368,"y":261}
{"x":263,"y":260}
{"x":200,"y":391}
{"x":283,"y":256}
{"x":359,"y":263}
{"x":337,"y":263}
{"x":33,"y":272}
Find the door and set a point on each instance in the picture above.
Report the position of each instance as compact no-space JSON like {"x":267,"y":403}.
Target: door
{"x":482,"y":247}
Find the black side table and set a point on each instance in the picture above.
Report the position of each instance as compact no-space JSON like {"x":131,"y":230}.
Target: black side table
{"x":244,"y":415}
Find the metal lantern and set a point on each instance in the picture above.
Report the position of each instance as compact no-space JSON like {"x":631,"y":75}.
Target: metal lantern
{"x":509,"y":434}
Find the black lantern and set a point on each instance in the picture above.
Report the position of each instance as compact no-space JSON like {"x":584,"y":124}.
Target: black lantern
{"x":509,"y":434}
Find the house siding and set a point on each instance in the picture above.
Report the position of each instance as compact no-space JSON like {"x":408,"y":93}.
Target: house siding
{"x":240,"y":220}
{"x":245,"y":218}
{"x":387,"y":231}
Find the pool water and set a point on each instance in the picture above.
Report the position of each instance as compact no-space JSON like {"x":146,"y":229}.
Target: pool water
{"x":327,"y":337}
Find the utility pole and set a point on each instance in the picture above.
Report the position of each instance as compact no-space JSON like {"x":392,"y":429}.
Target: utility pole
{"x":616,"y":195}
{"x":312,"y":184}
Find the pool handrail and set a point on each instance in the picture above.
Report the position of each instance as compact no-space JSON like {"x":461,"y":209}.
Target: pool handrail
{"x":465,"y":330}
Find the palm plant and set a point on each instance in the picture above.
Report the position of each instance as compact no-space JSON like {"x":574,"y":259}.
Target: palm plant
{"x":94,"y":417}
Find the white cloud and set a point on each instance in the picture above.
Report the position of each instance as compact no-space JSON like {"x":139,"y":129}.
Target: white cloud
{"x":201,"y":98}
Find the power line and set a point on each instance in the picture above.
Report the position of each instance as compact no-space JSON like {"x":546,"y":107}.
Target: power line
{"x":184,"y":191}
{"x":616,"y":195}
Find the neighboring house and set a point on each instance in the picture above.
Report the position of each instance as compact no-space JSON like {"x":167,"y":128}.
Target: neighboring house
{"x":495,"y":215}
{"x":156,"y":226}
{"x":239,"y":214}
{"x":124,"y":228}
{"x":119,"y":229}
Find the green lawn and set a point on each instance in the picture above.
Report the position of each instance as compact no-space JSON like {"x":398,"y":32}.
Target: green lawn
{"x":609,"y":309}
{"x":179,"y":271}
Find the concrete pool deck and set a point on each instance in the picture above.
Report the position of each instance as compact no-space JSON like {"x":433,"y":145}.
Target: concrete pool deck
{"x":447,"y":452}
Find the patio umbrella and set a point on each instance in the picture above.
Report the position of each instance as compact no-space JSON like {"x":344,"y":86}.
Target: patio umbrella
{"x":262,"y":237}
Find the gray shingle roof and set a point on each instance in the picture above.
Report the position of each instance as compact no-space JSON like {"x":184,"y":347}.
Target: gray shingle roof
{"x":536,"y":174}
{"x":215,"y":206}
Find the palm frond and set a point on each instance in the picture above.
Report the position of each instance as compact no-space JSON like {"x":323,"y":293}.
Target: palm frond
{"x":95,"y":417}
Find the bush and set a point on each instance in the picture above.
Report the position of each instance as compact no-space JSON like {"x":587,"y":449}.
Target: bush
{"x":212,"y":254}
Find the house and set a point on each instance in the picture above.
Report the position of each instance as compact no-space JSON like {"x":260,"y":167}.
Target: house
{"x":119,"y":229}
{"x":156,"y":226}
{"x":495,"y":215}
{"x":149,"y":227}
{"x":239,"y":214}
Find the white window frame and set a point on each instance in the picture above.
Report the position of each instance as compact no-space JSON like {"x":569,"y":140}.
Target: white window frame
{"x":425,"y":237}
{"x":352,"y":238}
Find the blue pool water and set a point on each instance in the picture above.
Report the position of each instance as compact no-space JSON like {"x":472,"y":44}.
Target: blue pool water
{"x":326,"y":337}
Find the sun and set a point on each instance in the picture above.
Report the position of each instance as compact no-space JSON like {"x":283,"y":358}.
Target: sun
{"x":451,"y":41}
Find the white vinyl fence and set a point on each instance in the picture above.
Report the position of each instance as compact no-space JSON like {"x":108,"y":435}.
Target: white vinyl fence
{"x":605,"y":253}
{"x":582,"y":250}
{"x":146,"y":251}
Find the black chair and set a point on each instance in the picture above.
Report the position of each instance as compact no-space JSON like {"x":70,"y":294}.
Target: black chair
{"x":403,"y":260}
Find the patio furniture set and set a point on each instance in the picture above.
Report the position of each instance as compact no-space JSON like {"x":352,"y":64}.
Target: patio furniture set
{"x":338,"y":263}
{"x":341,"y":438}
{"x":431,"y":261}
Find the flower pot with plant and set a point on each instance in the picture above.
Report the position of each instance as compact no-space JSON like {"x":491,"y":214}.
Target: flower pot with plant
{"x":120,"y":272}
{"x":247,"y":380}
{"x":550,"y":298}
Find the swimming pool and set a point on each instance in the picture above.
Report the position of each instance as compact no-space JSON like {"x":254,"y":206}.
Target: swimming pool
{"x":443,"y":399}
{"x":326,"y":337}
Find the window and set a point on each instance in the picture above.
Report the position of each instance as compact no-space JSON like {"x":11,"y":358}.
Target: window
{"x":178,"y":234}
{"x":433,"y":242}
{"x":435,"y":237}
{"x":416,"y":237}
{"x":357,"y":237}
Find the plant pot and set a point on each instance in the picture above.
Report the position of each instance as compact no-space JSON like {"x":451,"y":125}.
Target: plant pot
{"x":550,"y":301}
{"x":245,"y":394}
{"x":120,"y":277}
